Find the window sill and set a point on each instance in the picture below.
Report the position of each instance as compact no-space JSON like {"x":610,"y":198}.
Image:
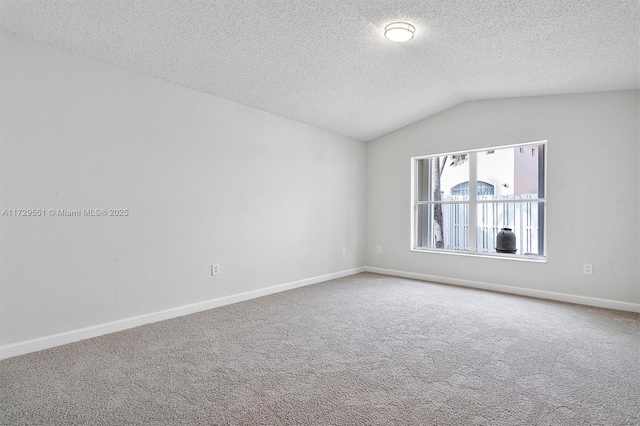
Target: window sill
{"x":505,"y":256}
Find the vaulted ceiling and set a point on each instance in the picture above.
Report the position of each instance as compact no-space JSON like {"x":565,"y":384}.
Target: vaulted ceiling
{"x":327,"y":63}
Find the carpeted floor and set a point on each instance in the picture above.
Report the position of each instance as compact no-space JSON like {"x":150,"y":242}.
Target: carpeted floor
{"x":362,"y":350}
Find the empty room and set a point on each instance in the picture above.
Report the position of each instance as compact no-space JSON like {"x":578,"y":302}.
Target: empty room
{"x":234,"y":212}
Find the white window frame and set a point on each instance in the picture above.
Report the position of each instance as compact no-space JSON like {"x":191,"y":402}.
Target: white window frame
{"x":473,"y":203}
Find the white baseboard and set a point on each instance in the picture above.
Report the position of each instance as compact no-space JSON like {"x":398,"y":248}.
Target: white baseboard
{"x":541,"y":294}
{"x":33,"y":345}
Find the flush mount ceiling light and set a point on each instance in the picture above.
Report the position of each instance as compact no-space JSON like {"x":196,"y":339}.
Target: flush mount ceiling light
{"x":399,"y":31}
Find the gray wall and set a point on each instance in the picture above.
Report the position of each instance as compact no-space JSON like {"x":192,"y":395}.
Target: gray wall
{"x":206,"y":181}
{"x":593,"y":185}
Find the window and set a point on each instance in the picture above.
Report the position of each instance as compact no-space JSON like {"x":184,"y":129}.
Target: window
{"x":484,"y":188}
{"x":462,"y":200}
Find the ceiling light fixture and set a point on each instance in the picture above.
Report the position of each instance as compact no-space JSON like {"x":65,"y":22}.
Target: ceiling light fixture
{"x":399,"y":31}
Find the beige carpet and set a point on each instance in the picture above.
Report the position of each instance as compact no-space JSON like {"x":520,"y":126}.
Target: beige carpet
{"x":362,"y":350}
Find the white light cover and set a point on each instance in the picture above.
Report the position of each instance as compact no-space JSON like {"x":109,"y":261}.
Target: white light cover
{"x":399,"y":31}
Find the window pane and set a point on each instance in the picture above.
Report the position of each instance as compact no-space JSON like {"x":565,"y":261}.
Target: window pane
{"x":511,"y":173}
{"x":444,"y":226}
{"x":525,"y":219}
{"x":443,"y":178}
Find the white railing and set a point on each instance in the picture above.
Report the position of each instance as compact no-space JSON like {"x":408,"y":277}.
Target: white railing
{"x":504,"y":212}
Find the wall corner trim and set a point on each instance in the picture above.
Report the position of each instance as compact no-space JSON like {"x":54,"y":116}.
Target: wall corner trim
{"x":46,"y":342}
{"x":540,"y":294}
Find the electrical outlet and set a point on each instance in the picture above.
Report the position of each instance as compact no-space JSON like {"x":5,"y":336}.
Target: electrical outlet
{"x":587,"y":269}
{"x":378,"y":249}
{"x":215,"y":269}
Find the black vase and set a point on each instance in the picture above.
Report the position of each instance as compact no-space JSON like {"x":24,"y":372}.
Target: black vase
{"x":506,"y":241}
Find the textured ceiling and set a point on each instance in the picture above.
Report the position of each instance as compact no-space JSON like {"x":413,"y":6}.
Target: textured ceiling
{"x":326,"y":62}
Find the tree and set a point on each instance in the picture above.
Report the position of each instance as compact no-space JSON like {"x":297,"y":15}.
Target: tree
{"x":437,"y":168}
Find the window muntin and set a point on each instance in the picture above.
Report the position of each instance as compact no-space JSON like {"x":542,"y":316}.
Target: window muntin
{"x":491,"y":189}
